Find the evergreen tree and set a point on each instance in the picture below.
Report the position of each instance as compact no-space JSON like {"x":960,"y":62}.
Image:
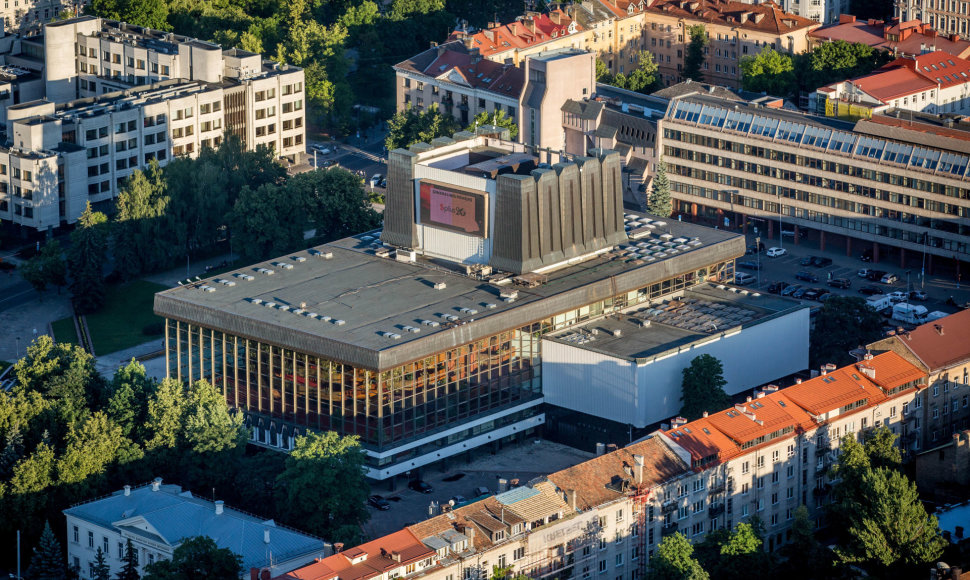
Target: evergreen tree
{"x":89,"y":248}
{"x":13,"y":451}
{"x":694,"y":60}
{"x":660,"y":203}
{"x":47,"y":563}
{"x":703,"y":387}
{"x":101,"y":569}
{"x":129,"y":564}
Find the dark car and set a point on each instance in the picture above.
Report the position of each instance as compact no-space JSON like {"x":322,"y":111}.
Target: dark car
{"x":811,"y":294}
{"x":755,"y":249}
{"x":825,"y":296}
{"x":777,"y":287}
{"x":789,"y":290}
{"x":870,"y":290}
{"x":875,"y":275}
{"x":800,"y":292}
{"x":749,"y":265}
{"x":820,"y":262}
{"x":806,"y":276}
{"x":821,"y":294}
{"x":807,"y":261}
{"x":866,"y":255}
{"x":842,"y":283}
{"x":379,"y":502}
{"x":918,"y":295}
{"x":420,"y":486}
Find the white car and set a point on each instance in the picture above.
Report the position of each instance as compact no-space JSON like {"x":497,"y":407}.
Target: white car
{"x":775,"y":252}
{"x":896,"y":297}
{"x":322,"y":149}
{"x":375,"y":179}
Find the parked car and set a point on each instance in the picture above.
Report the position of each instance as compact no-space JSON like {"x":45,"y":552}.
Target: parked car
{"x":807,"y":261}
{"x":458,"y":499}
{"x":842,"y":283}
{"x":866,"y":255}
{"x":826,"y":296}
{"x":869,"y":290}
{"x":328,"y":163}
{"x":822,"y":294}
{"x":918,"y":295}
{"x":749,"y":265}
{"x":811,"y":294}
{"x":897,"y":296}
{"x":322,"y":149}
{"x":875,"y":275}
{"x":379,"y":502}
{"x":864,"y":273}
{"x":383,"y":183}
{"x":776,"y":252}
{"x":420,"y":486}
{"x":743,"y":278}
{"x":777,"y":287}
{"x":798,"y":294}
{"x":375,"y":179}
{"x":756,"y":248}
{"x":789,"y":290}
{"x":820,"y":262}
{"x":806,"y":276}
{"x":889,"y":279}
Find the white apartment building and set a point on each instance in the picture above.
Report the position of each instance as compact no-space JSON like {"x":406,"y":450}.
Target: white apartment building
{"x":98,"y":123}
{"x":28,"y":15}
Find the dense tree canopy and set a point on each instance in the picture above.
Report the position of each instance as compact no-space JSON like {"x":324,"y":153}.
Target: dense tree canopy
{"x":770,"y":71}
{"x":703,"y":387}
{"x":410,"y":126}
{"x":497,"y":118}
{"x":694,"y":59}
{"x":197,"y":557}
{"x":86,"y":260}
{"x":47,"y":268}
{"x":842,"y":324}
{"x":643,"y":79}
{"x":674,"y":560}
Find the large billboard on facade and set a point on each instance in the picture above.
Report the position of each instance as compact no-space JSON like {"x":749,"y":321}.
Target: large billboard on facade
{"x":454,"y":208}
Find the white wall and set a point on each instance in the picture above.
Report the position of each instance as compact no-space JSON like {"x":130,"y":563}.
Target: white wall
{"x":622,"y":391}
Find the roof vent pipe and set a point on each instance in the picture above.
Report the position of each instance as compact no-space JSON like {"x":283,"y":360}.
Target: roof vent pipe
{"x":219,"y":507}
{"x":127,"y":490}
{"x":266,"y":536}
{"x":157,"y":484}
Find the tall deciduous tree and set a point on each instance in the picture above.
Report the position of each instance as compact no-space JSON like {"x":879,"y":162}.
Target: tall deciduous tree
{"x":197,"y":557}
{"x":335,"y":202}
{"x":92,"y":447}
{"x":675,"y":560}
{"x":660,"y":203}
{"x":47,"y":563}
{"x":129,"y":393}
{"x":267,"y":221}
{"x":139,"y":243}
{"x":835,"y":61}
{"x":210,"y":427}
{"x":409,"y":126}
{"x":323,"y":486}
{"x":46,"y":268}
{"x":703,"y":387}
{"x":86,"y":259}
{"x":842,"y":324}
{"x":497,"y":118}
{"x":694,"y":59}
{"x":165,"y":414}
{"x":769,"y":71}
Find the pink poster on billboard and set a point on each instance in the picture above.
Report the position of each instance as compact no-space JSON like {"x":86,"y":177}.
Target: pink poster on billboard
{"x":451,"y":208}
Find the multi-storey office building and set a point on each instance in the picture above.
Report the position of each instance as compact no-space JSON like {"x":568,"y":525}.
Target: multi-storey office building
{"x":428,"y":345}
{"x":946,"y":16}
{"x":886,"y":182}
{"x":62,"y":152}
{"x":607,"y":515}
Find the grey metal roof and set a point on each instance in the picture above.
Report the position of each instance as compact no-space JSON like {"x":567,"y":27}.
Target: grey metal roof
{"x":174,"y":515}
{"x":583,"y":109}
{"x":375,"y":296}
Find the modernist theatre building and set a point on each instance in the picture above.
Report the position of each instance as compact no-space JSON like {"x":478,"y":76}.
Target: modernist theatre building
{"x":425,"y":338}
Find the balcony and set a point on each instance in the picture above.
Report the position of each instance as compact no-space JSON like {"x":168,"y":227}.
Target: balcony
{"x":668,"y":507}
{"x":717,"y":488}
{"x":715,"y":510}
{"x":670,"y":528}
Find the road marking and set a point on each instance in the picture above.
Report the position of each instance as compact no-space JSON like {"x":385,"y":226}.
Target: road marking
{"x":16,"y":295}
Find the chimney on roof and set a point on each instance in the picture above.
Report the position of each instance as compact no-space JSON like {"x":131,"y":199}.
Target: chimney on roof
{"x":939,"y":328}
{"x":867,"y":356}
{"x":954,"y":38}
{"x":704,"y":414}
{"x":747,"y":399}
{"x":556,"y":17}
{"x":514,"y":28}
{"x":157,"y":484}
{"x":476,"y":56}
{"x":338,"y":547}
{"x":266,"y":535}
{"x":530,"y":23}
{"x":930,"y":33}
{"x":677,"y":422}
{"x":798,"y":381}
{"x":823,"y":370}
{"x":846,"y":19}
{"x":611,"y":447}
{"x":638,"y":461}
{"x":219,"y":507}
{"x":571,"y":495}
{"x":127,"y":490}
{"x":468,"y":41}
{"x":867,"y":370}
{"x":490,"y":35}
{"x":254,"y":574}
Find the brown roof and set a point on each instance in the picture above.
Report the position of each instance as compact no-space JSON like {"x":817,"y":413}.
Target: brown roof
{"x":455,"y":520}
{"x":379,"y":556}
{"x":453,"y":58}
{"x":767,"y":17}
{"x":940,"y":344}
{"x":589,"y":479}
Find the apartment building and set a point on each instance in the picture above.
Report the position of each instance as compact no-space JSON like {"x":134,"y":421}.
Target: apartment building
{"x":734,"y":29}
{"x":527,"y":35}
{"x":942,"y":350}
{"x":822,"y":11}
{"x":30,"y":15}
{"x":897,"y":185}
{"x":946,"y":16}
{"x":935,"y":82}
{"x":158,"y":517}
{"x":905,"y":39}
{"x":77,"y":133}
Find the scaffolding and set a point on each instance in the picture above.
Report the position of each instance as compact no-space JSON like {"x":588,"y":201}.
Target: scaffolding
{"x":640,"y":508}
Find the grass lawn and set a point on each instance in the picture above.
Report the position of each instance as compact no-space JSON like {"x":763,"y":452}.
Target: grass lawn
{"x":64,"y":331}
{"x":126,"y":313}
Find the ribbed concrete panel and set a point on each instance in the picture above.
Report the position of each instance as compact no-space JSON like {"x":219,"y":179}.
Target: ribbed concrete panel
{"x":612,"y":196}
{"x":549,"y":224}
{"x":510,"y":239}
{"x":399,"y":218}
{"x":585,"y":213}
{"x":570,"y":209}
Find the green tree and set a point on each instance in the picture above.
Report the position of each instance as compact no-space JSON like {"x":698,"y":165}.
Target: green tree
{"x":507,"y":573}
{"x":210,"y":427}
{"x":129,"y":564}
{"x":323,"y":487}
{"x":497,"y":118}
{"x":197,"y":557}
{"x":770,"y":71}
{"x":138,"y":243}
{"x":27,"y":488}
{"x":46,"y":268}
{"x":603,"y":74}
{"x":675,"y":560}
{"x":659,"y":203}
{"x":703,"y":387}
{"x":47,"y":563}
{"x":804,"y":557}
{"x":267,"y":221}
{"x":101,"y":570}
{"x":335,"y":202}
{"x":129,"y":392}
{"x":842,"y":324}
{"x":694,"y":59}
{"x":92,"y":447}
{"x":166,"y":410}
{"x":643,"y":79}
{"x":835,"y":61}
{"x":86,"y":260}
{"x":409,"y":126}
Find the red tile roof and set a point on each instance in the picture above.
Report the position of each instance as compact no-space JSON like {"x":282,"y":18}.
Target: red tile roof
{"x":906,"y":38}
{"x":766,"y":17}
{"x":941,"y":344}
{"x":523,"y":33}
{"x":624,"y":8}
{"x":889,"y":84}
{"x":478,"y":73}
{"x":944,"y":68}
{"x":373,"y":559}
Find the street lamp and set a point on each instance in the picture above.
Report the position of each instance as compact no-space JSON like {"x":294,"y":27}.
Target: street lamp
{"x":757,"y":251}
{"x":781,"y":228}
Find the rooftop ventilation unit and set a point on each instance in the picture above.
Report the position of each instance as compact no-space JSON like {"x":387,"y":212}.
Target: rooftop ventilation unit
{"x":509,"y":295}
{"x":468,"y":310}
{"x":340,"y":322}
{"x":298,"y":311}
{"x":325,"y":318}
{"x":266,"y":271}
{"x":208,"y":289}
{"x":311,"y":314}
{"x":449,"y":317}
{"x":490,"y":306}
{"x":225,"y":282}
{"x":383,"y":253}
{"x":412,"y":329}
{"x":283,"y":307}
{"x":283,"y":265}
{"x":617,"y":332}
{"x":440,"y":285}
{"x":244,"y":276}
{"x":299,"y":258}
{"x":405,"y":255}
{"x":256,"y":300}
{"x":269,"y":304}
{"x":430,"y":323}
{"x":325,"y":254}
{"x":392,"y":335}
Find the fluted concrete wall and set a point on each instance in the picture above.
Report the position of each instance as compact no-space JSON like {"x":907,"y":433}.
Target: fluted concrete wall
{"x":400,"y":227}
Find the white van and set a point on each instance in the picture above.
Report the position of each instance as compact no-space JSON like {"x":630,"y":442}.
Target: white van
{"x":879,"y":302}
{"x":743,"y":278}
{"x":909,"y":313}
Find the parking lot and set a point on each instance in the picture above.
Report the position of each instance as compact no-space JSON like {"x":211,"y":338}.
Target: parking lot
{"x":524,"y":461}
{"x":787,"y":267}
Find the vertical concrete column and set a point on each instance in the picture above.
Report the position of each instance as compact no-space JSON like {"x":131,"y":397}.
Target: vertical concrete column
{"x":744,"y":223}
{"x":875,"y":252}
{"x":796,"y":236}
{"x":821,"y":239}
{"x":848,"y":246}
{"x":929,"y":263}
{"x":771,"y":229}
{"x":693,"y":210}
{"x":902,"y":257}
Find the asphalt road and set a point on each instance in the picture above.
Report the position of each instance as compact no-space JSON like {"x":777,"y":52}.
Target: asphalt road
{"x":783,"y":269}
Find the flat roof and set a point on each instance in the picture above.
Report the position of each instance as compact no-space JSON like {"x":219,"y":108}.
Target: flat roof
{"x":701,"y":313}
{"x":383,"y":303}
